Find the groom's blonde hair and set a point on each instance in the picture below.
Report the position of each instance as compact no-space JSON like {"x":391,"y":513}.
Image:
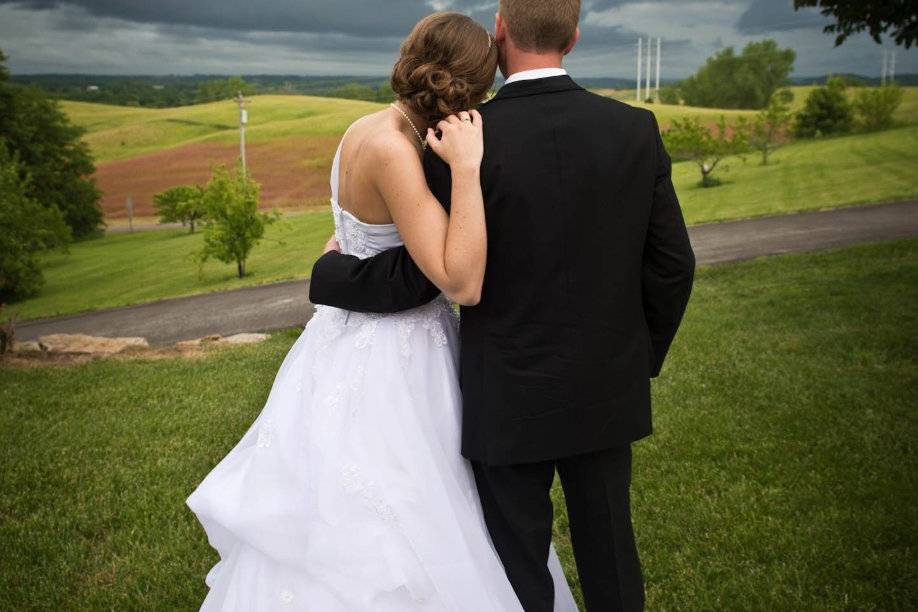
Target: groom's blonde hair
{"x":541,"y":25}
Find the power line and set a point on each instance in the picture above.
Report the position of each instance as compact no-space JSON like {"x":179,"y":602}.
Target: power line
{"x":647,"y":80}
{"x":644,"y":67}
{"x":637,"y":90}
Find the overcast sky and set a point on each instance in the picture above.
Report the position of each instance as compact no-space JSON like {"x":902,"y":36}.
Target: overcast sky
{"x":361,"y":37}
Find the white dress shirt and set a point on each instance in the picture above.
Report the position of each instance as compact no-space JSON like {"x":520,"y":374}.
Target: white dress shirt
{"x":538,"y":73}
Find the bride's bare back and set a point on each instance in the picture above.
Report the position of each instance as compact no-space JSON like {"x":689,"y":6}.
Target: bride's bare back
{"x":358,"y":189}
{"x":381,"y":180}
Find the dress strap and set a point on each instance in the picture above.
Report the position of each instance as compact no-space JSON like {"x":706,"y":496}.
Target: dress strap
{"x":335,"y":173}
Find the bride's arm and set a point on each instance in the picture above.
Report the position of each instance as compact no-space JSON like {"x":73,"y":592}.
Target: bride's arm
{"x":450,"y":250}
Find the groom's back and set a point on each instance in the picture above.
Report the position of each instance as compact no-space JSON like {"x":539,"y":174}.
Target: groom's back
{"x":557,"y":356}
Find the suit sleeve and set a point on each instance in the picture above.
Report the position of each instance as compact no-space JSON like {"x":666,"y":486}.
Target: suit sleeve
{"x":388,"y":282}
{"x":668,"y":262}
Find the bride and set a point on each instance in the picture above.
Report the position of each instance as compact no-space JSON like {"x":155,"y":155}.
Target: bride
{"x":348,"y":492}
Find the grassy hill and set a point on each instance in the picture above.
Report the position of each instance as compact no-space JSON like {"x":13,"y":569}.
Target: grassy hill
{"x":807,"y":175}
{"x":291,"y":140}
{"x":906,"y":114}
{"x":117,"y":132}
{"x":290,"y":144}
{"x":121,"y":269}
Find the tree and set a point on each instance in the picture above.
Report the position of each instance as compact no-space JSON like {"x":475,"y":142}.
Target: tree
{"x":876,"y":16}
{"x":223,"y":89}
{"x":688,"y":138}
{"x":183,"y":204}
{"x":876,"y":107}
{"x":50,"y":150}
{"x":827,"y":111}
{"x":356,"y":91}
{"x":669,"y":94}
{"x":27,"y":229}
{"x":234,"y":226}
{"x":728,"y":80}
{"x":768,"y":127}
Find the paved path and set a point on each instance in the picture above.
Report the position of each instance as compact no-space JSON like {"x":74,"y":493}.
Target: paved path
{"x":283,"y":305}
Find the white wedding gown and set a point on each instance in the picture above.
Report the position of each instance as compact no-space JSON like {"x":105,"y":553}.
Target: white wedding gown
{"x":348,"y":492}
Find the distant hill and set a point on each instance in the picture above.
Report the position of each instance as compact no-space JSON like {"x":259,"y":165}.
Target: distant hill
{"x":170,"y":91}
{"x":174,"y":90}
{"x":901,"y":79}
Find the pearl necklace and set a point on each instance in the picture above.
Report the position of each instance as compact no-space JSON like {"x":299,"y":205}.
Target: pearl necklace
{"x":411,"y":123}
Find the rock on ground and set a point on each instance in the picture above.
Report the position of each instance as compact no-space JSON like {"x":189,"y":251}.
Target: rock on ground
{"x":93,"y":345}
{"x":243,"y":339}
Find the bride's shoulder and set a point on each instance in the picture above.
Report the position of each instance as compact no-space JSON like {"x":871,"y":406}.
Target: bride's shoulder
{"x":388,"y":145}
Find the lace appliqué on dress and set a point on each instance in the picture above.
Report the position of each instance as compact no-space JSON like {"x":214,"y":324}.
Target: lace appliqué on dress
{"x":353,"y":482}
{"x":264,"y":434}
{"x":429,"y":318}
{"x":356,"y":241}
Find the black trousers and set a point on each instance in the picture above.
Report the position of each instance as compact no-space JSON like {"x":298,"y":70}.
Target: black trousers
{"x":518,"y":511}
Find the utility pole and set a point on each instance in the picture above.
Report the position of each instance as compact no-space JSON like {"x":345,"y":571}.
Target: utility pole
{"x":243,"y":120}
{"x":130,"y":208}
{"x":892,"y":67}
{"x":657,"y":88}
{"x":649,"y":54}
{"x":639,"y":65}
{"x":883,"y":70}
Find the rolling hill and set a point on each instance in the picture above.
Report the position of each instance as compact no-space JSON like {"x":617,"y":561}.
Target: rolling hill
{"x":290,"y":139}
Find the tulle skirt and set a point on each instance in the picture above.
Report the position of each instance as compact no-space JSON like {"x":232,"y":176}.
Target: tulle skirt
{"x":348,"y":492}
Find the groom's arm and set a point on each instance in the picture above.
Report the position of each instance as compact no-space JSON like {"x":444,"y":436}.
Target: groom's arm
{"x":669,"y":262}
{"x":387,"y":282}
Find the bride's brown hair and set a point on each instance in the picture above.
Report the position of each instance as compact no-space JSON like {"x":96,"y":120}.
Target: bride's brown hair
{"x":447,"y":64}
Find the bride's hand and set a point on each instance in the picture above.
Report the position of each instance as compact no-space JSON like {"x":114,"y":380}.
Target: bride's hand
{"x":332,"y":245}
{"x":461,"y":143}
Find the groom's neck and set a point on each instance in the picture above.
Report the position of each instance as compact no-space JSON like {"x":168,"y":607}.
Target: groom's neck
{"x":518,"y":60}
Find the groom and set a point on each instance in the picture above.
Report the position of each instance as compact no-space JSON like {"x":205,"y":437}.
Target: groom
{"x":589,"y":272}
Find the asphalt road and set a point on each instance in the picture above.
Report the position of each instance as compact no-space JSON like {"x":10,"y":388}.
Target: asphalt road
{"x":284,"y":305}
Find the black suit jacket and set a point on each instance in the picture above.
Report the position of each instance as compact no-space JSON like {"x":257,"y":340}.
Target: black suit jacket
{"x":589,"y":272}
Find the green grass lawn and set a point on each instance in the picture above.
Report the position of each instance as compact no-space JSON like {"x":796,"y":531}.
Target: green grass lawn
{"x":120,"y":269}
{"x":781,"y":475}
{"x":806,"y":175}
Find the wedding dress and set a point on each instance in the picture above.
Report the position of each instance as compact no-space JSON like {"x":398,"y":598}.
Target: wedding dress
{"x":348,"y":491}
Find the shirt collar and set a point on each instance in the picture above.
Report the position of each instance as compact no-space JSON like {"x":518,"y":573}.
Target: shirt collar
{"x":538,"y":73}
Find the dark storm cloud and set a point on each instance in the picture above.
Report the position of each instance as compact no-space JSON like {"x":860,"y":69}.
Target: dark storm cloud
{"x":386,"y":20}
{"x":764,"y":16}
{"x":362,"y":36}
{"x":341,"y":16}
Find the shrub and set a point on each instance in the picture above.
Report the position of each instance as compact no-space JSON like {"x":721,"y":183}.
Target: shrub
{"x":827,"y":111}
{"x":669,"y":94}
{"x":688,"y":138}
{"x":183,"y":204}
{"x":766,"y":130}
{"x":875,"y":107}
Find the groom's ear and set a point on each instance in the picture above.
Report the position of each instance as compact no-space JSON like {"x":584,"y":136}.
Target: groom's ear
{"x":574,"y":39}
{"x":500,"y":28}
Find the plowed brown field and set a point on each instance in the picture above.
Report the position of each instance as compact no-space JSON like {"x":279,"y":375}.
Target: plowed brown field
{"x":293,"y":172}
